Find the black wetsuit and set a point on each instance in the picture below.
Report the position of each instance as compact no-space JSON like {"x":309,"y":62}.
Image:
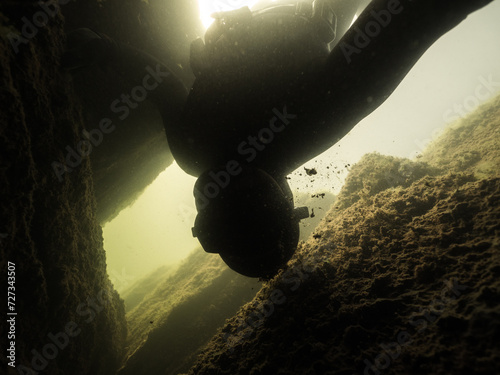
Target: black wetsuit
{"x":276,"y":115}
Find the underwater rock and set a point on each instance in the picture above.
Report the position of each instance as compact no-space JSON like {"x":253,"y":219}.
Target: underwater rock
{"x":401,"y":279}
{"x":457,"y":147}
{"x":69,"y":318}
{"x":182,"y":312}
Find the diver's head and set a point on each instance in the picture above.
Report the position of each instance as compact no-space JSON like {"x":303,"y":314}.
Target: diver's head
{"x":247,"y":219}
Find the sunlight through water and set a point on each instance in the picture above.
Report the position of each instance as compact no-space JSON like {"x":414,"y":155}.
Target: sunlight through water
{"x":208,"y":7}
{"x":154,"y":231}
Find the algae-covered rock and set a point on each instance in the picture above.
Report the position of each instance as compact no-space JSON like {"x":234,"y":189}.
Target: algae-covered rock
{"x":457,"y":147}
{"x":400,"y":277}
{"x":69,"y":318}
{"x":182,"y":312}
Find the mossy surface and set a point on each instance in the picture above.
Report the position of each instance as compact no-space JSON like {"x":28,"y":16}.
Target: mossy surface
{"x":49,"y":228}
{"x":401,"y":276}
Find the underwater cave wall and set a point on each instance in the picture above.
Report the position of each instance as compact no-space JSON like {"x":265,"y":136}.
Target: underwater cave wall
{"x":69,"y":318}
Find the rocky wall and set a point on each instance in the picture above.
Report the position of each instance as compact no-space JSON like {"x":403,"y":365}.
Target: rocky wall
{"x":69,"y":318}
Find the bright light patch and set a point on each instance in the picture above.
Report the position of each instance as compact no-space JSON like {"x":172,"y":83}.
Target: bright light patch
{"x":208,"y":7}
{"x":154,"y":231}
{"x":354,"y":20}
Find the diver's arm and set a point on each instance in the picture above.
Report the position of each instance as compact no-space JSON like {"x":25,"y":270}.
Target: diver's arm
{"x":360,"y":74}
{"x":135,"y":67}
{"x":373,"y":68}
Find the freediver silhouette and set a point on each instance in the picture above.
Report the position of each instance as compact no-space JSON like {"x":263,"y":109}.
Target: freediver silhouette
{"x":275,"y":87}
